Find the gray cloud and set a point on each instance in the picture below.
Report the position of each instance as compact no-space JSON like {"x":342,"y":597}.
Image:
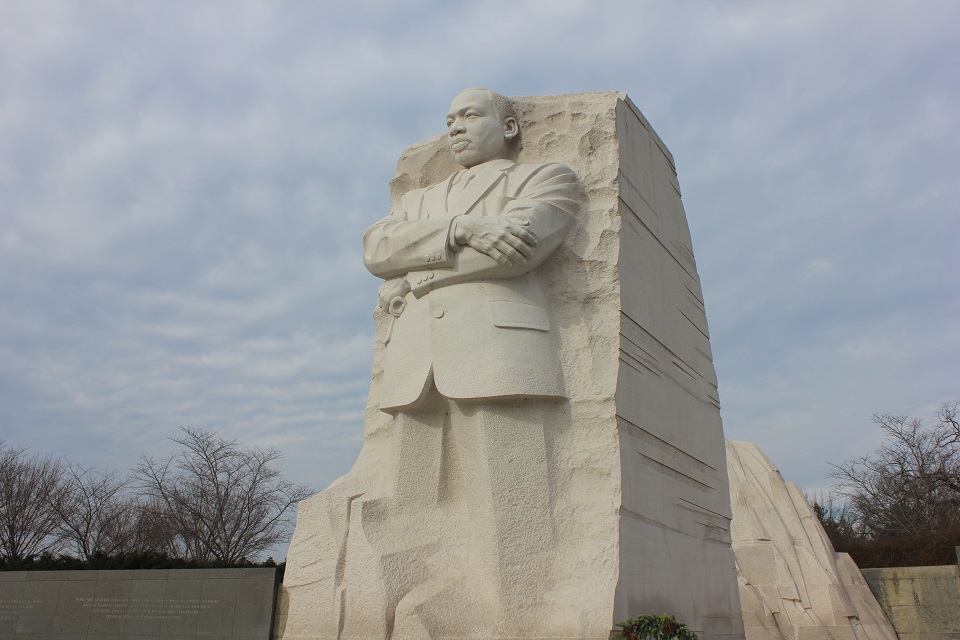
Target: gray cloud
{"x":183,"y":189}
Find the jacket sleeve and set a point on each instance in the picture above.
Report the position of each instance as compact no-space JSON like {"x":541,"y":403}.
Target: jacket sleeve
{"x":550,"y":200}
{"x":397,"y":245}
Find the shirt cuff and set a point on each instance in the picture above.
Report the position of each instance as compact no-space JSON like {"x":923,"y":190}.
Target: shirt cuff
{"x":452,"y":236}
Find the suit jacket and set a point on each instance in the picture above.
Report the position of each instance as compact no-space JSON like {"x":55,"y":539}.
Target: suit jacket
{"x":477,"y":328}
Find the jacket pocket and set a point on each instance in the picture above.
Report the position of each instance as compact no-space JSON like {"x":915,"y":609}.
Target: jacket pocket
{"x":519,"y":315}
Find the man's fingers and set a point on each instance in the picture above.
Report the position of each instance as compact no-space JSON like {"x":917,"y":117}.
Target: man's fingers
{"x":523,"y":233}
{"x":494,"y":252}
{"x":501,"y":252}
{"x":520,"y":246}
{"x":508,"y":241}
{"x":512,"y":253}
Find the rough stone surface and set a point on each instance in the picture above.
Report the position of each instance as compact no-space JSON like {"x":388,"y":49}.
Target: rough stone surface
{"x":793,"y":586}
{"x":923,"y":603}
{"x":632,"y":462}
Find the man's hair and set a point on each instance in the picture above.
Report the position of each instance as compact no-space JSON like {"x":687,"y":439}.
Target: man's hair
{"x":501,"y":104}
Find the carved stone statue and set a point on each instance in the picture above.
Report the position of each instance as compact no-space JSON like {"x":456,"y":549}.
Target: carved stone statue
{"x":469,"y":356}
{"x":459,"y":258}
{"x":516,"y":480}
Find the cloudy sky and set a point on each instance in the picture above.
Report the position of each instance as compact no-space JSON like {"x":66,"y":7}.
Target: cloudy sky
{"x":183,"y":186}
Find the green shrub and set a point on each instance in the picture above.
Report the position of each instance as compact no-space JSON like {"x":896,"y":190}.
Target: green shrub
{"x":655,"y":627}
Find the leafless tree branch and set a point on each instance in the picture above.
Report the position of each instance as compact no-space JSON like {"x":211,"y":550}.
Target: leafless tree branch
{"x":909,"y":486}
{"x":101,"y":515}
{"x":221,"y":500}
{"x":32,"y":491}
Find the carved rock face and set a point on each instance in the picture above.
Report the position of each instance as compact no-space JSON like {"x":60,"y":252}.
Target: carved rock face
{"x":560,"y":511}
{"x":792,"y":583}
{"x":476,"y":134}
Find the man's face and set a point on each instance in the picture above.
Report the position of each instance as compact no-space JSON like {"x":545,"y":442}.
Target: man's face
{"x":475,"y":132}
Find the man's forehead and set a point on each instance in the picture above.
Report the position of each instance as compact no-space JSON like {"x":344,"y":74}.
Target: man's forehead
{"x":470,"y":99}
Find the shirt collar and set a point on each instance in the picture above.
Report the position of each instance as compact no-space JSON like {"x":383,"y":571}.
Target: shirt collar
{"x":501,"y":164}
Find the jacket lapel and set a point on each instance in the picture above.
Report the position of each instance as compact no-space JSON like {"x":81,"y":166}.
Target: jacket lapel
{"x":433,"y":201}
{"x":490,"y":174}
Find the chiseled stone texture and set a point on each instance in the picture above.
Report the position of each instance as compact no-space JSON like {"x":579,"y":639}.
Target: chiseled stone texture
{"x":639,"y":499}
{"x":923,"y":603}
{"x":793,"y":585}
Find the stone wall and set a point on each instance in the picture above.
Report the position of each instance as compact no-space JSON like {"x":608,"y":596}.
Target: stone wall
{"x":923,"y":603}
{"x":217,"y":604}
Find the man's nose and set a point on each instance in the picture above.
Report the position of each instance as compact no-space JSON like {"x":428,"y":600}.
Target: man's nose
{"x":456,"y":127}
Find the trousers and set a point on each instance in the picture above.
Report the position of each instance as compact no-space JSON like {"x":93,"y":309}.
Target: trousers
{"x":464,"y":531}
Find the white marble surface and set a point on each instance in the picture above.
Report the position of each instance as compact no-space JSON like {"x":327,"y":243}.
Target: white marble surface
{"x":605,"y":491}
{"x":793,"y":586}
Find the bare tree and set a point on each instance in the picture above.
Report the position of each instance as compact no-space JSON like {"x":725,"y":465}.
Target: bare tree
{"x":99,"y":515}
{"x":153,"y":531}
{"x":947,"y":415}
{"x":221,"y":500}
{"x":835,"y":518}
{"x":31,"y":493}
{"x":909,"y":486}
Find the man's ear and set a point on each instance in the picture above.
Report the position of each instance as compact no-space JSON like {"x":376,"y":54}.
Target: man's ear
{"x":511,"y":128}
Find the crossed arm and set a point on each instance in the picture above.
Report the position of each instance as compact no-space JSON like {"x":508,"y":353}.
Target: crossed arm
{"x":474,"y":247}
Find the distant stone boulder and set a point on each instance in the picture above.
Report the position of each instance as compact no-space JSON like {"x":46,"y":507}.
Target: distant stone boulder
{"x":793,"y":585}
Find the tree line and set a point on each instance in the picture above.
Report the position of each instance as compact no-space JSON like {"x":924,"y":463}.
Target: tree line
{"x":213,"y":500}
{"x":216,"y":500}
{"x":900,"y":504}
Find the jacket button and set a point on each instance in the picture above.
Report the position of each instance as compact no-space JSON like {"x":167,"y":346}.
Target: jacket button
{"x":438,"y":312}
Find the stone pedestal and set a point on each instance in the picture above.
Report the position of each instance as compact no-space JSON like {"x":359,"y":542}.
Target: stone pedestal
{"x":638,"y":500}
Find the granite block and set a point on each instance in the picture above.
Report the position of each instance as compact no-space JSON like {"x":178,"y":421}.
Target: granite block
{"x":217,"y":606}
{"x":38,"y":606}
{"x":101,"y":605}
{"x":74,"y":606}
{"x":182,"y":605}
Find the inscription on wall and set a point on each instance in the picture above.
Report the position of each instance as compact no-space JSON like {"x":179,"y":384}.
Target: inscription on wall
{"x":182,"y":603}
{"x":11,"y":608}
{"x":146,"y":608}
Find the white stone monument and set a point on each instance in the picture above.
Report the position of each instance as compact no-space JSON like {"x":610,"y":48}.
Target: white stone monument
{"x":793,"y":585}
{"x":543,"y":452}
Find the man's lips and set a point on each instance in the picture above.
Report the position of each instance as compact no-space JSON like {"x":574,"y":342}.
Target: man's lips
{"x":459,"y":145}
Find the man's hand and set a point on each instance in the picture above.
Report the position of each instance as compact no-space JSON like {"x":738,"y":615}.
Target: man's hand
{"x":506,"y":239}
{"x":390,"y":289}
